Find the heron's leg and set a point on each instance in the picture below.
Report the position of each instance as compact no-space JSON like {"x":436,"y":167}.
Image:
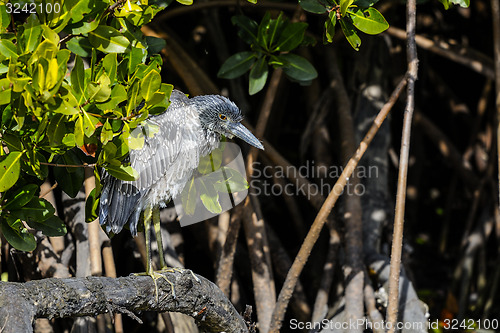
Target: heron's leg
{"x":148,"y":214}
{"x":159,"y":241}
{"x":147,"y":235}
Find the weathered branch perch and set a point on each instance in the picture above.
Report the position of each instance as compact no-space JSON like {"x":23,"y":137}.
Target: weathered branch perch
{"x":22,"y":303}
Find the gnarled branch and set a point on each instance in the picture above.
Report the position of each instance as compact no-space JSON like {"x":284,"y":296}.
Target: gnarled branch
{"x":21,"y":303}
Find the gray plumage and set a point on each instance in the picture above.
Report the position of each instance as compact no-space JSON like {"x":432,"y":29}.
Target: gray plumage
{"x":188,"y":130}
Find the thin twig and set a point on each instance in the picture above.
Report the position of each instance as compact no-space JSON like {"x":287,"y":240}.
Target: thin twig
{"x":84,"y":165}
{"x":397,"y":239}
{"x":312,"y":236}
{"x":47,"y":191}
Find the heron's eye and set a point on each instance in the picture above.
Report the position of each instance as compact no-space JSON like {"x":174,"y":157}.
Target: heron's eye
{"x":222,"y":117}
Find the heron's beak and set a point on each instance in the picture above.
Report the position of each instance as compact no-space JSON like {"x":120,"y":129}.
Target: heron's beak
{"x":240,"y":131}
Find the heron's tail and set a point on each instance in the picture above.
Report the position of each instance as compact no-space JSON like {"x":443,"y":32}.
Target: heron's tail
{"x":119,"y":204}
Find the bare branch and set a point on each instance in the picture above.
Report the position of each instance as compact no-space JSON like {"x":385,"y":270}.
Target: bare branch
{"x":21,"y":303}
{"x":397,"y":239}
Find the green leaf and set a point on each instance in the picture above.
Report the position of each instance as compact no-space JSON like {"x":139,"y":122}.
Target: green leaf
{"x":369,"y":20}
{"x":315,"y":6}
{"x":136,"y":139}
{"x":132,"y":96}
{"x":156,"y":98}
{"x":262,"y":34}
{"x":35,"y":161}
{"x":209,"y":196}
{"x":150,"y":84}
{"x":78,"y":79}
{"x":69,"y":140}
{"x":122,"y":145}
{"x":80,"y":46}
{"x":70,"y":179}
{"x":10,"y":168}
{"x":32,"y":33}
{"x":17,"y":235}
{"x":8,"y":49}
{"x":4,"y":18}
{"x":88,"y":24}
{"x":350,"y":34}
{"x":5,"y":91}
{"x":297,"y":67}
{"x":122,"y":172}
{"x":65,"y":104}
{"x":155,"y":44}
{"x":118,"y":95}
{"x":106,"y":133}
{"x":79,"y":132}
{"x":189,"y":197}
{"x":13,"y":142}
{"x":344,"y":4}
{"x":110,"y":64}
{"x":100,"y":90}
{"x":461,"y":3}
{"x":237,"y":65}
{"x":275,"y":30}
{"x":210,"y":162}
{"x":185,"y":2}
{"x":136,"y":56}
{"x":330,"y":27}
{"x":52,"y":74}
{"x":108,"y":154}
{"x":21,"y":197}
{"x":62,"y":60}
{"x":18,"y":82}
{"x":50,"y":34}
{"x":46,"y":49}
{"x":36,"y":209}
{"x":89,"y":123}
{"x":248,"y":28}
{"x":52,"y":227}
{"x":233,"y":181}
{"x":150,"y":128}
{"x":108,"y":39}
{"x":258,"y":76}
{"x":91,"y":207}
{"x":39,"y":76}
{"x":56,"y":130}
{"x":291,"y":37}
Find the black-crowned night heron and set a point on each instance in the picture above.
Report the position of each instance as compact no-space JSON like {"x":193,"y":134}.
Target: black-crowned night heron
{"x":188,"y":130}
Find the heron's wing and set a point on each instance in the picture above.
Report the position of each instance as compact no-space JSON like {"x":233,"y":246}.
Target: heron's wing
{"x":121,"y":201}
{"x":154,"y":160}
{"x":118,"y":202}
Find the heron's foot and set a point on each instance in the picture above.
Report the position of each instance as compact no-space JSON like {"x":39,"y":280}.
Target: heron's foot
{"x":180,"y":270}
{"x":156,"y":275}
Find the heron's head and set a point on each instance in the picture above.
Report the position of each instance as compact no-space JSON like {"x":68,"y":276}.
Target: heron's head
{"x":217,"y":113}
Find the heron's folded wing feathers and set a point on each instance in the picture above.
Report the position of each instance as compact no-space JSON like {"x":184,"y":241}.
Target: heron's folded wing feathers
{"x":121,"y":200}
